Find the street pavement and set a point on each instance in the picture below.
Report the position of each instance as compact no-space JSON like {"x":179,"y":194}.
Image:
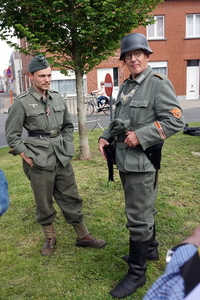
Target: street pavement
{"x":191,"y":110}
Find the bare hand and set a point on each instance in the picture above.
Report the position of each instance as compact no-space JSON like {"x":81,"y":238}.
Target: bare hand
{"x":131,"y":140}
{"x":27,"y":159}
{"x":194,"y":239}
{"x":102,"y":143}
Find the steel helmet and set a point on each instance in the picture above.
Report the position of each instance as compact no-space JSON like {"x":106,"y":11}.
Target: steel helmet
{"x":134,"y":41}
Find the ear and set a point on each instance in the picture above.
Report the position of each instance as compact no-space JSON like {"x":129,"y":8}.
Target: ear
{"x":148,"y":56}
{"x":30,"y":75}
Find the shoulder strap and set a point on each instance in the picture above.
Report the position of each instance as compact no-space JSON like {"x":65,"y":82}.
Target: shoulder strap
{"x":160,"y":75}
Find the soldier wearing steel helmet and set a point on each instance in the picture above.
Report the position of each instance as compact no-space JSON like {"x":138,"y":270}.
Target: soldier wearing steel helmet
{"x":147,"y":112}
{"x":46,"y":154}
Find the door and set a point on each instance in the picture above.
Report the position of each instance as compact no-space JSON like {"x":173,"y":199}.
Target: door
{"x":192,"y":89}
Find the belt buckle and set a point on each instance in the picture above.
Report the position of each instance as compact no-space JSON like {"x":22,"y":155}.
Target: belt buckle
{"x":119,"y":138}
{"x":53,"y":133}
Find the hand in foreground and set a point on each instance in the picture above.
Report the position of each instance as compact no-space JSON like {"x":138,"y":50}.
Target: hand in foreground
{"x":102,"y":143}
{"x":194,"y":239}
{"x":131,"y":140}
{"x":27,"y":159}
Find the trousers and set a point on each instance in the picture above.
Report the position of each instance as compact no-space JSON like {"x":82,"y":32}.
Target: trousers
{"x":60,"y":185}
{"x":140,"y":195}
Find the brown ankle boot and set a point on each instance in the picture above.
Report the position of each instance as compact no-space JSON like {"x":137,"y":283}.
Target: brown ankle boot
{"x":50,"y":241}
{"x":49,"y":246}
{"x":84,"y":239}
{"x":90,"y":241}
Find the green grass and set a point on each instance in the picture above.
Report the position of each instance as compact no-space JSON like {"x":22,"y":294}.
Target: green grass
{"x":74,"y":273}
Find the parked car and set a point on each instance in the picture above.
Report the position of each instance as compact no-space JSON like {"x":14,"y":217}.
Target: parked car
{"x":1,"y":90}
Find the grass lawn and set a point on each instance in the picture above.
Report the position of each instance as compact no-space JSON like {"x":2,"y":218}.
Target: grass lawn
{"x":75,"y":273}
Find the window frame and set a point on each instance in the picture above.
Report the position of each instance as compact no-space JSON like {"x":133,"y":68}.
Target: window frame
{"x":155,"y":29}
{"x":159,"y":65}
{"x":194,"y":26}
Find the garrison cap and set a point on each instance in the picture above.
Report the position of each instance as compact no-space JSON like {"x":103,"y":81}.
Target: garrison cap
{"x":37,"y":63}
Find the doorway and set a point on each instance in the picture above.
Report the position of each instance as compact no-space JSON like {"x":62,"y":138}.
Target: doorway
{"x":192,"y":88}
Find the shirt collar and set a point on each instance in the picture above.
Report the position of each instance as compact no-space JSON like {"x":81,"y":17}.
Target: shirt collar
{"x":141,"y":76}
{"x":37,"y":95}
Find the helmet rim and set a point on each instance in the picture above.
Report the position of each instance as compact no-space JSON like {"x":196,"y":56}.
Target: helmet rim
{"x":134,"y":41}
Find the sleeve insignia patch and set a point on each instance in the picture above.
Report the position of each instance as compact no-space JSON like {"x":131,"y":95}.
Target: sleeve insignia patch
{"x":176,"y":112}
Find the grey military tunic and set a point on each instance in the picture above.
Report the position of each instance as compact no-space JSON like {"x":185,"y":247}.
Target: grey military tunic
{"x":34,"y":113}
{"x":151,"y":105}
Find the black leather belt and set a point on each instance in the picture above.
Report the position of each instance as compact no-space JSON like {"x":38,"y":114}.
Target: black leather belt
{"x":120,"y":137}
{"x":42,"y":134}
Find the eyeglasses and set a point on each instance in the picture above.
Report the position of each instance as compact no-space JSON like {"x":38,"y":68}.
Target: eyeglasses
{"x":136,"y":53}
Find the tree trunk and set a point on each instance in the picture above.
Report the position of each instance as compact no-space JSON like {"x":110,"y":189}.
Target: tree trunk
{"x":84,"y":153}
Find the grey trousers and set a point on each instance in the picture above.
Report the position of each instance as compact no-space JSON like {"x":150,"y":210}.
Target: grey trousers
{"x":59,"y":184}
{"x":140,"y":195}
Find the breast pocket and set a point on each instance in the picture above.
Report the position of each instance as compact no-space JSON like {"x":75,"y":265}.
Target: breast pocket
{"x":139,"y":110}
{"x":36,"y":119}
{"x":59,"y":114}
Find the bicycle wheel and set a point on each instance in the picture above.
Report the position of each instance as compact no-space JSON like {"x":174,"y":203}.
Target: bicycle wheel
{"x":106,"y":110}
{"x":89,"y":109}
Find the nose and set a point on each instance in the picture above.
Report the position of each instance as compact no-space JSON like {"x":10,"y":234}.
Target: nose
{"x":47,"y":78}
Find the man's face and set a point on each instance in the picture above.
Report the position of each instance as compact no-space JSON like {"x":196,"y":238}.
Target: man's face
{"x":41,"y":80}
{"x":136,"y":61}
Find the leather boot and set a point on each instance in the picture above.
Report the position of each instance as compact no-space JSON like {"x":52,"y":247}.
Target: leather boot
{"x":50,"y":241}
{"x":152,"y":254}
{"x":84,"y":239}
{"x":135,"y":277}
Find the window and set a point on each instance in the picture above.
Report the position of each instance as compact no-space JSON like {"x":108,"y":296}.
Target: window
{"x":156,"y":30}
{"x":159,"y":66}
{"x":67,"y":86}
{"x":115,"y":77}
{"x":193,"y":25}
{"x":193,"y":63}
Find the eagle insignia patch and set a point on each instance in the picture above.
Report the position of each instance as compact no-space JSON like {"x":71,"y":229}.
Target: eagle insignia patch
{"x":176,"y":112}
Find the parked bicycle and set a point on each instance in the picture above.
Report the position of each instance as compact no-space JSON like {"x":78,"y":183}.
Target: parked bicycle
{"x":91,"y":106}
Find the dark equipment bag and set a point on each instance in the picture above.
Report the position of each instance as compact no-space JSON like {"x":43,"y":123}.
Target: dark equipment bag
{"x":195,"y":131}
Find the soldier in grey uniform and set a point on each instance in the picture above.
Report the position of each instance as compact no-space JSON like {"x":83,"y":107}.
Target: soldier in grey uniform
{"x":147,"y":112}
{"x":46,"y":154}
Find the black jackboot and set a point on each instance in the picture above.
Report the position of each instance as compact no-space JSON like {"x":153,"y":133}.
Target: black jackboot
{"x":135,"y":277}
{"x":152,"y":249}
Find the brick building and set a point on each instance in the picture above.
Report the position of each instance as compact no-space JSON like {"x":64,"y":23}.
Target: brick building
{"x":175,"y":40}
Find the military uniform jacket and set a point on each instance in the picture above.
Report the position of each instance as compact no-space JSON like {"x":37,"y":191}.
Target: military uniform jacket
{"x":150,"y":105}
{"x":31,"y":111}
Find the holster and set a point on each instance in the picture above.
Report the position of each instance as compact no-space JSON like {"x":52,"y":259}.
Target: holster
{"x":154,"y":154}
{"x":109,"y":151}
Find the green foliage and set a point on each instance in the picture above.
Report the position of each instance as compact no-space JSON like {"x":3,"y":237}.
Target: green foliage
{"x":74,"y":273}
{"x":79,"y":33}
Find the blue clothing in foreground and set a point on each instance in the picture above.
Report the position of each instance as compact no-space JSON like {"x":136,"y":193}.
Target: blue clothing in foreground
{"x":4,"y":197}
{"x":170,"y":286}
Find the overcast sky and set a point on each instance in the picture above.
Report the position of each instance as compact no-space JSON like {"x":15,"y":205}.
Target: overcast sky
{"x":5,"y":51}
